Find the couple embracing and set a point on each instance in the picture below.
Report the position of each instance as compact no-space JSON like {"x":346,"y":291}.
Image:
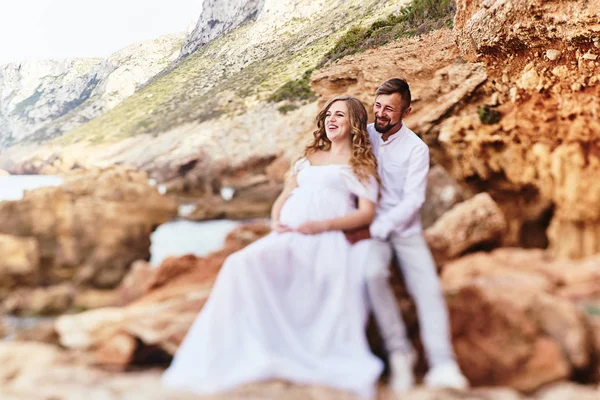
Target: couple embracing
{"x":294,"y":304}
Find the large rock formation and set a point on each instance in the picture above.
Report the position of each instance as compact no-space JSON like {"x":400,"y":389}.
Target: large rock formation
{"x":88,"y":231}
{"x":475,"y":222}
{"x":19,"y":261}
{"x":42,"y":99}
{"x":522,"y":318}
{"x":537,"y":132}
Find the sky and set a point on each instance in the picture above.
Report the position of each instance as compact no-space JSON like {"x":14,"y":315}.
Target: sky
{"x":49,"y":29}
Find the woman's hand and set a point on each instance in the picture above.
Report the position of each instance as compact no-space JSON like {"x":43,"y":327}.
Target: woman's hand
{"x":313,"y":227}
{"x":279,"y":227}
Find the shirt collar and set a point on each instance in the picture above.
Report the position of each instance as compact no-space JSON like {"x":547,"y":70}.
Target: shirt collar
{"x":395,"y":136}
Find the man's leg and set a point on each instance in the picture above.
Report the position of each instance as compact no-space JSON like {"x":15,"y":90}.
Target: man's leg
{"x":377,"y":256}
{"x":422,"y":282}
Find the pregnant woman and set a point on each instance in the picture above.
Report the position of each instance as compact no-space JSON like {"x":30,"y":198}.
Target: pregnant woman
{"x":292,"y":305}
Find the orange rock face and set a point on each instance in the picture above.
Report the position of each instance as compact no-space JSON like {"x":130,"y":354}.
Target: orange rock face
{"x":543,"y":81}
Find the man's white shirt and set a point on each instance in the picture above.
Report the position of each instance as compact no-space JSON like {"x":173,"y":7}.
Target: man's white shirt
{"x":403,"y":165}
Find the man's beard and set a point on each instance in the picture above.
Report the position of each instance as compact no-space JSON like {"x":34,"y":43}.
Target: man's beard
{"x":384,"y":128}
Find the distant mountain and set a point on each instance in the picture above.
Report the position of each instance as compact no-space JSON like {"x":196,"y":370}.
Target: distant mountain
{"x":40,"y":100}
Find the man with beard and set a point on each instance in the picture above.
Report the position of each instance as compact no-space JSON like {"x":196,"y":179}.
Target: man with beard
{"x":403,"y":160}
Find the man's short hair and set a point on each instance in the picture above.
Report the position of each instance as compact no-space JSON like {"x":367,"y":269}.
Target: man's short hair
{"x":396,"y":85}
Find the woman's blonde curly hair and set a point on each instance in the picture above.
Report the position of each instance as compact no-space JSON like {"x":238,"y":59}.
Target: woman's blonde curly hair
{"x":362,"y":160}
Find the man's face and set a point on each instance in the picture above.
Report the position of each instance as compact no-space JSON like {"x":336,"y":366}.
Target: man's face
{"x":389,"y":111}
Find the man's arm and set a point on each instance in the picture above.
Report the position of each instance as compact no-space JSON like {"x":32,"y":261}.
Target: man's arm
{"x":415,"y":186}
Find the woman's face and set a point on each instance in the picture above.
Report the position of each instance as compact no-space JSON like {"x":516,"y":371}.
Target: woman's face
{"x":337,"y":122}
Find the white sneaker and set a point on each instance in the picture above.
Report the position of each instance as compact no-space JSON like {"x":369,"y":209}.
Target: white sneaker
{"x":401,"y":367}
{"x":447,"y":375}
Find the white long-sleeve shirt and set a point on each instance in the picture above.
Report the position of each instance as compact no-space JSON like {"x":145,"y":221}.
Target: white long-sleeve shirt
{"x":403,"y":167}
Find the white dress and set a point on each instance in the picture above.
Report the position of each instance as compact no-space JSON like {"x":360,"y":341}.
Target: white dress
{"x":289,"y":306}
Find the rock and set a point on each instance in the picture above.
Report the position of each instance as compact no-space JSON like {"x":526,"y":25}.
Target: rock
{"x":17,"y":359}
{"x":521,"y":294}
{"x":119,"y":350}
{"x":509,"y":350}
{"x":56,"y":299}
{"x":218,"y":18}
{"x":90,"y":229}
{"x":594,"y":321}
{"x":543,"y":151}
{"x":473,"y":222}
{"x":442,"y":194}
{"x":530,"y":78}
{"x":568,"y":391}
{"x":135,"y":283}
{"x":64,"y":375}
{"x":278,"y":169}
{"x":19,"y":261}
{"x":88,"y":299}
{"x":552,"y":54}
{"x":562,"y":321}
{"x":422,"y":393}
{"x":73,"y":330}
{"x":39,"y":301}
{"x":251,"y":202}
{"x":546,"y":364}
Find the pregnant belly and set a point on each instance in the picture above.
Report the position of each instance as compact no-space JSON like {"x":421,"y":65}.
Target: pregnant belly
{"x":303,"y":207}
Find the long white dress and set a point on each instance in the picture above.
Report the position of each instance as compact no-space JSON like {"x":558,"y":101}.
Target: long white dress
{"x":289,"y":306}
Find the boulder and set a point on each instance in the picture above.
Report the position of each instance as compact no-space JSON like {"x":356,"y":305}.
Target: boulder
{"x":19,"y":262}
{"x":477,"y":221}
{"x":90,"y":229}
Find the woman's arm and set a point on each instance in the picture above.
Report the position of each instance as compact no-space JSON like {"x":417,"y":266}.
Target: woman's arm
{"x":359,"y":218}
{"x":290,"y":185}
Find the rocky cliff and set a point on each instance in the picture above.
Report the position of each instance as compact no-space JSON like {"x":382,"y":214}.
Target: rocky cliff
{"x":40,"y":100}
{"x":219,"y":17}
{"x":543,"y":82}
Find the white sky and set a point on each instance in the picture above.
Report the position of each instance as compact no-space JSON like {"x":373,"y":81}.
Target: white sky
{"x":44,"y":29}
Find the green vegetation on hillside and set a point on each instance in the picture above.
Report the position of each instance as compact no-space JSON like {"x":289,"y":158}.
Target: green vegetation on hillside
{"x":298,"y":89}
{"x":421,"y":16}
